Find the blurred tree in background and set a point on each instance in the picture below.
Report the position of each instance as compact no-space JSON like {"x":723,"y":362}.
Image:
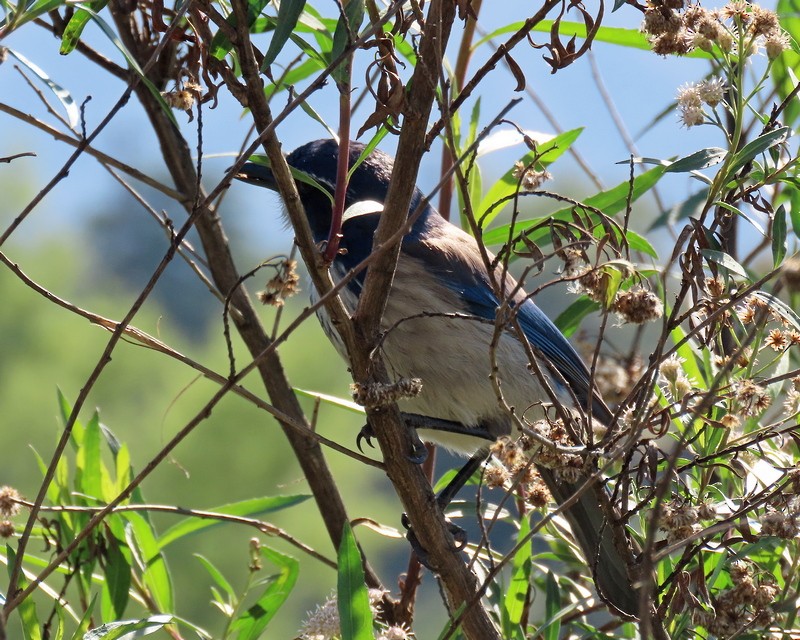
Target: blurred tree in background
{"x":178,"y":426}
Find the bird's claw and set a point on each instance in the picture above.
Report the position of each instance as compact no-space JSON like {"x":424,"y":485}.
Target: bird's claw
{"x":419,"y":452}
{"x":366,"y":434}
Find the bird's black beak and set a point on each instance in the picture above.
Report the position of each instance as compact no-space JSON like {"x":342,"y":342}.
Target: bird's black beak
{"x":257,"y":174}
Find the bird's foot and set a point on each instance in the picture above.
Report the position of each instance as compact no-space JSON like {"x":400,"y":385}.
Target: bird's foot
{"x":418,"y":454}
{"x":459,"y":539}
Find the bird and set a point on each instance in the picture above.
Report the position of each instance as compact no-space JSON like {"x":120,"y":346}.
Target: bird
{"x":439,"y":323}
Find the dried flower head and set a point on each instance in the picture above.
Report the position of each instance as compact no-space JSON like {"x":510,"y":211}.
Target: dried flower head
{"x":322,"y":623}
{"x":712,"y":92}
{"x":283,"y":285}
{"x":530,"y":179}
{"x":671,"y":368}
{"x":379,"y":395}
{"x":9,"y":501}
{"x":6,"y":529}
{"x":679,"y":43}
{"x":638,"y":306}
{"x":730,"y":421}
{"x":395,"y":632}
{"x":776,"y":43}
{"x":750,"y":398}
{"x":765,"y":22}
{"x":658,"y":21}
{"x":496,"y":476}
{"x":779,"y":524}
{"x":777,"y":340}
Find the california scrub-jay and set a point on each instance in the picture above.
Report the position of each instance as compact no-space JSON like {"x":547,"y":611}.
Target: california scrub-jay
{"x":440,"y":279}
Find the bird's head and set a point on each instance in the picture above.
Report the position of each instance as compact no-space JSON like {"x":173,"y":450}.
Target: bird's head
{"x":318,"y":160}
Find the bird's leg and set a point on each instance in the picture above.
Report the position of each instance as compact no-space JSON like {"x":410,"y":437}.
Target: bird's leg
{"x":444,"y":498}
{"x":414,"y":422}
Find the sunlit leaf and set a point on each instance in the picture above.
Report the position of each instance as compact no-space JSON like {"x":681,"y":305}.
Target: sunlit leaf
{"x":252,"y":622}
{"x":570,"y":319}
{"x":246,"y":508}
{"x":516,"y":595}
{"x":759,"y":145}
{"x":289,"y":12}
{"x":155,"y":573}
{"x":546,"y":153}
{"x":724,"y":260}
{"x":346,"y":32}
{"x":64,"y":96}
{"x":779,"y":236}
{"x":128,"y":629}
{"x":609,"y":202}
{"x":31,"y":629}
{"x":698,"y":160}
{"x":352,"y":597}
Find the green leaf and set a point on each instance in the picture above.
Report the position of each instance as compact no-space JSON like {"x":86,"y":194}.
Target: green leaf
{"x":517,"y":593}
{"x":609,"y":202}
{"x":757,"y":146}
{"x":132,"y":63}
{"x":83,"y":625}
{"x":779,"y":236}
{"x":334,"y":400}
{"x":552,"y":605}
{"x":289,"y":12}
{"x":31,"y":628}
{"x":252,"y":622}
{"x":570,"y":319}
{"x":75,"y":26}
{"x":545,"y":154}
{"x":724,"y":260}
{"x":346,"y":31}
{"x":154,"y":567}
{"x":128,"y":629}
{"x":247,"y":508}
{"x":352,"y":597}
{"x":632,"y":38}
{"x":217,"y":576}
{"x":640,"y":243}
{"x":221,"y":44}
{"x":698,"y":160}
{"x":117,"y":571}
{"x":87,"y":461}
{"x":64,"y":96}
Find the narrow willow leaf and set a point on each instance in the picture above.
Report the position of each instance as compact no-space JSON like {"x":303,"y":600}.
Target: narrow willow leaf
{"x":128,"y":629}
{"x":289,"y":13}
{"x":155,"y":573}
{"x":779,"y":236}
{"x":352,"y":597}
{"x":552,"y":605}
{"x":724,"y":260}
{"x":31,"y":628}
{"x":570,"y":319}
{"x":759,"y":145}
{"x":698,"y":160}
{"x":218,"y":577}
{"x":516,"y":595}
{"x":609,"y":202}
{"x":64,"y":96}
{"x":631,"y":38}
{"x":246,"y":508}
{"x":346,"y":29}
{"x":251,"y":624}
{"x":637,"y":242}
{"x":76,"y":24}
{"x":546,"y":153}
